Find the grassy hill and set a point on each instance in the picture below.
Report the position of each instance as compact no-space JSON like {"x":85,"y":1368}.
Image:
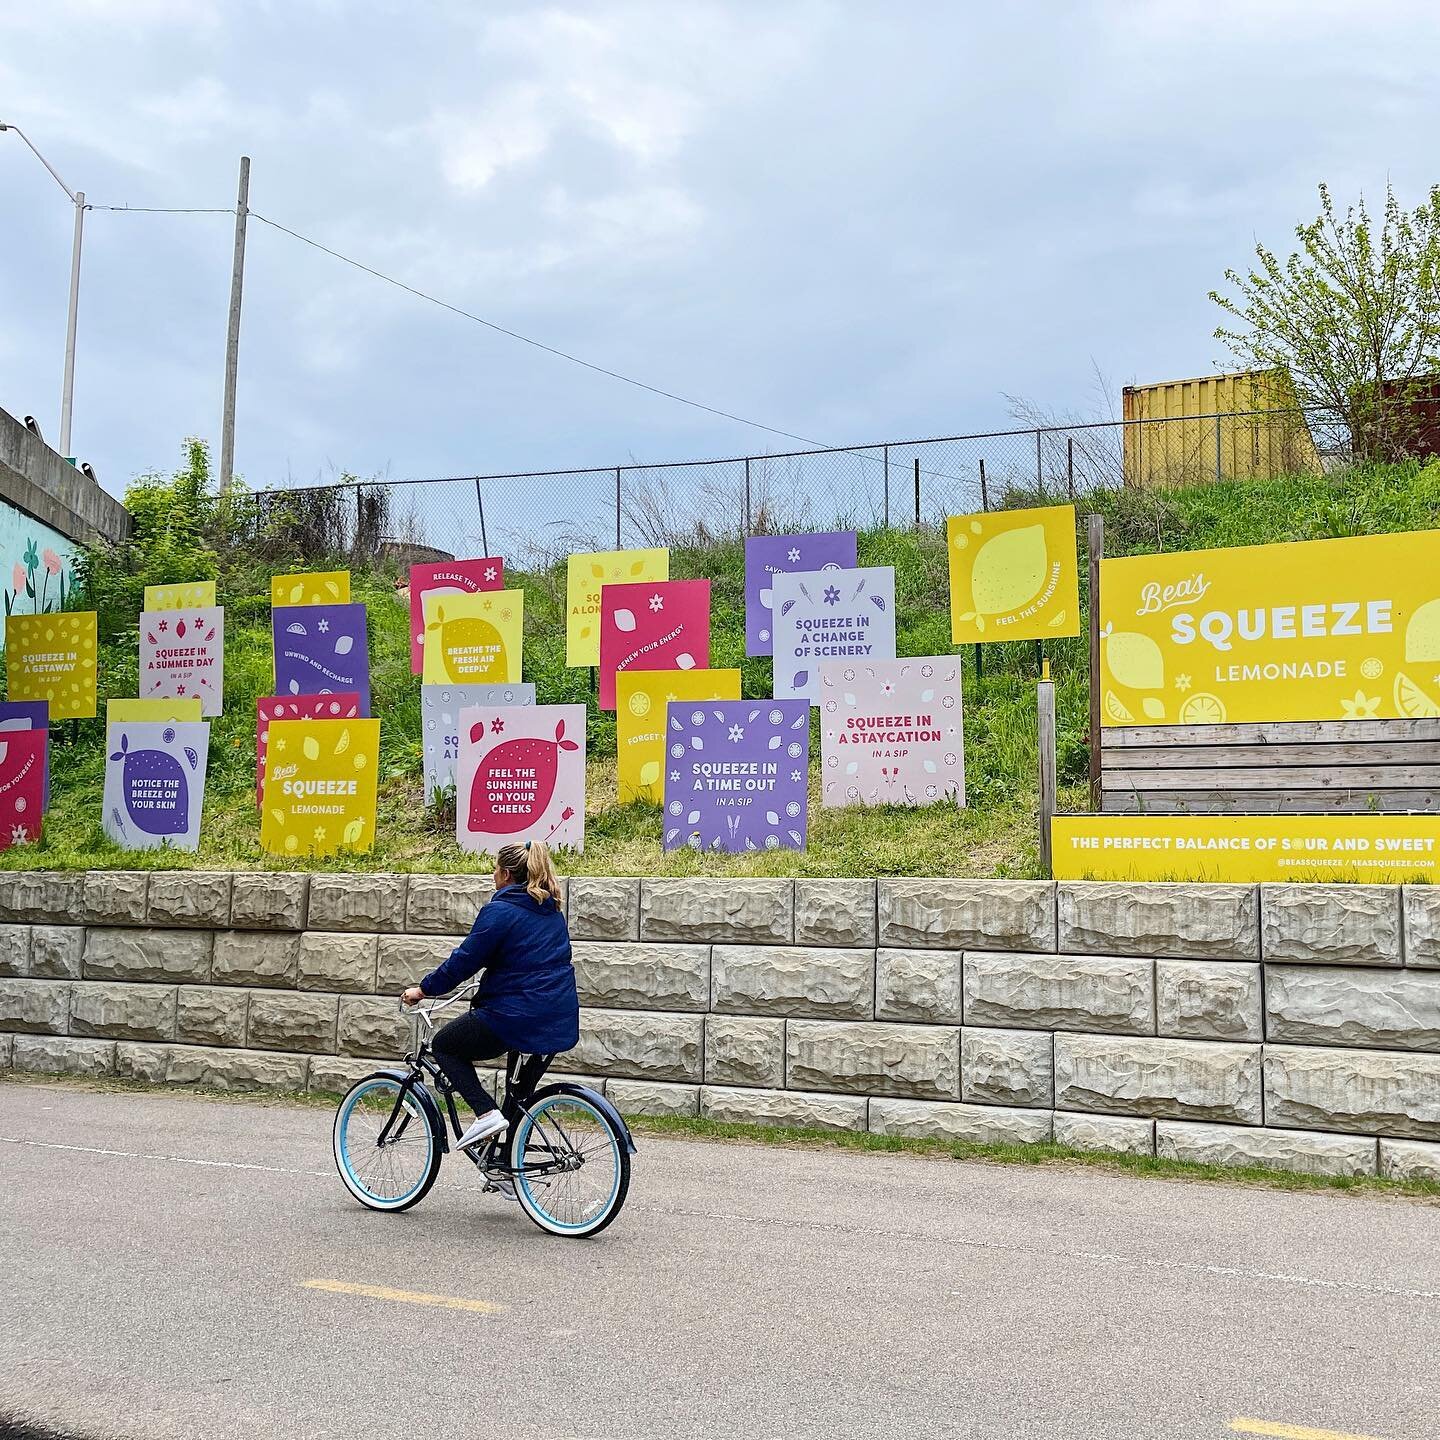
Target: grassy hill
{"x":182,"y":534}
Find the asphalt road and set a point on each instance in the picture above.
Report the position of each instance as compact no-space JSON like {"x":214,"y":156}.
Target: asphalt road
{"x":155,"y":1252}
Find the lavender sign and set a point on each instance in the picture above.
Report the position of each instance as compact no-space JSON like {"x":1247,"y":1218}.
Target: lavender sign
{"x":736,"y":774}
{"x":440,"y":707}
{"x":767,"y":556}
{"x":155,"y":783}
{"x":830,"y":615}
{"x":321,"y":650}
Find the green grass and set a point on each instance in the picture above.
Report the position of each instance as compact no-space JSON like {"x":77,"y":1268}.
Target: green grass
{"x":994,"y":835}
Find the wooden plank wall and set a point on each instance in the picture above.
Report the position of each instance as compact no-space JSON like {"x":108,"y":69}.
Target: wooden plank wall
{"x":1319,"y":767}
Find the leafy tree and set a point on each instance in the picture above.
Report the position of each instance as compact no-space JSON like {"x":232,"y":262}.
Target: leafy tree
{"x":1353,"y":317}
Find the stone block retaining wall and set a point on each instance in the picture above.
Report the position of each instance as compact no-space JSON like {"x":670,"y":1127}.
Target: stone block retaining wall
{"x":1294,"y":1025}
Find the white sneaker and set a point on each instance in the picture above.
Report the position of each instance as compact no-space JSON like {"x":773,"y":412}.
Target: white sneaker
{"x":489,"y":1126}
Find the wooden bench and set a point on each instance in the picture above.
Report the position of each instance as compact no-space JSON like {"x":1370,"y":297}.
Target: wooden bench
{"x":1318,"y":767}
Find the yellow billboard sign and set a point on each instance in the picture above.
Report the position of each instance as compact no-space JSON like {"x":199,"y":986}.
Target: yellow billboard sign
{"x":1373,"y":849}
{"x":1314,"y":630}
{"x":189,"y":595}
{"x":1013,"y":575}
{"x":473,"y":639}
{"x":640,"y":700}
{"x":319,"y":786}
{"x":311,"y":587}
{"x":52,"y":657}
{"x":584,"y":576}
{"x":159,"y":709}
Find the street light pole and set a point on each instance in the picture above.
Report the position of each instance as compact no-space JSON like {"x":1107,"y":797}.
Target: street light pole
{"x":77,"y":199}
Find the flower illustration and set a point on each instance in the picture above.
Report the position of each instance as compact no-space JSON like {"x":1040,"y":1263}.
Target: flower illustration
{"x":52,"y":561}
{"x":737,"y":733}
{"x":18,"y":835}
{"x":1182,"y":683}
{"x":17,"y":576}
{"x":489,"y":572}
{"x":497,"y":726}
{"x":795,"y":777}
{"x":319,"y":834}
{"x":794,"y":554}
{"x":832,"y":595}
{"x":323,"y":626}
{"x":675,"y":776}
{"x":1362,"y":707}
{"x":657,"y":603}
{"x":32,"y":556}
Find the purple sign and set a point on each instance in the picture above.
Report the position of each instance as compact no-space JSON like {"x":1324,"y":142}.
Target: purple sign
{"x":29,"y":715}
{"x":321,"y":650}
{"x":736,"y":773}
{"x":767,"y":556}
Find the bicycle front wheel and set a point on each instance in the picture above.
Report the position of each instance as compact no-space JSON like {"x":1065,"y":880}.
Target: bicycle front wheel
{"x":572,"y":1170}
{"x":385,"y":1149}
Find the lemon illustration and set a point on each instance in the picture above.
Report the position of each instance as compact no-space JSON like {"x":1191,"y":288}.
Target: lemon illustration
{"x":1135,"y":660}
{"x":1116,"y":710}
{"x":1422,"y":634}
{"x":639,"y":703}
{"x":1372,"y":668}
{"x":1153,"y":708}
{"x":1202,"y":709}
{"x":650,"y":772}
{"x":1411,"y":701}
{"x":1009,"y":570}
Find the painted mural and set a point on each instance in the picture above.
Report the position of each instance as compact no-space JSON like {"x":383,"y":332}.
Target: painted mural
{"x":37,"y":563}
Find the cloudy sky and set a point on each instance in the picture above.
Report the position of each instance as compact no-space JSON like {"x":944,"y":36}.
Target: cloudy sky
{"x":847,"y":221}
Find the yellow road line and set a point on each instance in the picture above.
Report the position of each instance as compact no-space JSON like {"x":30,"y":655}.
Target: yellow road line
{"x":1292,"y":1432}
{"x":407,"y":1297}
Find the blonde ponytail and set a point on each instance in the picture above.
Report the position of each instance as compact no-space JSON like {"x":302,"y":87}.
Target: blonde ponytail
{"x":530,"y":865}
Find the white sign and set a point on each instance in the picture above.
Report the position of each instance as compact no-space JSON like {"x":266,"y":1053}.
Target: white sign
{"x":440,"y":707}
{"x":830,"y":615}
{"x":182,"y":655}
{"x":155,"y":783}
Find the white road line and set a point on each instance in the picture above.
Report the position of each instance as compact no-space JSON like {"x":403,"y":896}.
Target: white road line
{"x":169,"y":1159}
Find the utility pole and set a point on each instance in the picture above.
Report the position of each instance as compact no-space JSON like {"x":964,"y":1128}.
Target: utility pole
{"x":232,"y":334}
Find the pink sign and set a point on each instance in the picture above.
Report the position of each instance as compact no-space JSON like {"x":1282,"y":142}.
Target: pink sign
{"x":652,"y":625}
{"x":454,"y":577}
{"x":294,"y":707}
{"x":891,"y":731}
{"x":521,"y":776}
{"x":182,"y":654}
{"x":22,"y":785}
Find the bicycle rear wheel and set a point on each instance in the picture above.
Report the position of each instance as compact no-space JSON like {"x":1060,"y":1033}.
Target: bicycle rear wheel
{"x":572,"y":1169}
{"x":385,"y":1165}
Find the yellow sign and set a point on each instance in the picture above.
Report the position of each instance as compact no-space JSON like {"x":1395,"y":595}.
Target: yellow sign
{"x":191,"y":595}
{"x":52,"y":657}
{"x":1013,"y":575}
{"x":1314,"y":630}
{"x":320,"y":786}
{"x":316,"y":587}
{"x":1374,"y":849}
{"x":640,"y":700}
{"x":160,"y":709}
{"x":584,"y":577}
{"x":473,"y":639}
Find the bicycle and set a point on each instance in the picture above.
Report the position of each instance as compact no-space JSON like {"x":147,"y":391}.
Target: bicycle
{"x":566,"y":1153}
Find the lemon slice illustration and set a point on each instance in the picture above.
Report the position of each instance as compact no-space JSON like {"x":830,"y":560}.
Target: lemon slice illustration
{"x":1202,"y":709}
{"x":1411,"y":701}
{"x":1135,"y":660}
{"x":1422,"y":634}
{"x":1009,"y":570}
{"x":1116,"y":710}
{"x":639,"y":703}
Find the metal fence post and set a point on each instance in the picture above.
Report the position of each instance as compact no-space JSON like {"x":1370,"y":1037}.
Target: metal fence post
{"x":984,"y":492}
{"x":1070,"y":465}
{"x":917,"y":492}
{"x":618,"y":545}
{"x":747,"y":495}
{"x":887,"y":486}
{"x":1039,"y":473}
{"x":480,"y":504}
{"x":1217,"y":447}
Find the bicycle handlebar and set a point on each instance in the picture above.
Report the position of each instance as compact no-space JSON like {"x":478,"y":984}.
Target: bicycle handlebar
{"x":424,"y":1012}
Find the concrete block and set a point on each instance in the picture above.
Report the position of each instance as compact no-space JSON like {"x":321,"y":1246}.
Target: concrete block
{"x":14,"y":950}
{"x":63,"y":1055}
{"x":444,"y":904}
{"x":189,"y":897}
{"x":283,"y":1020}
{"x":114,"y":897}
{"x":56,"y":951}
{"x":792,"y":980}
{"x":1304,"y":1151}
{"x":970,"y":1124}
{"x":1180,"y":921}
{"x":1422,"y":925}
{"x":334,"y":1075}
{"x":123,"y":1012}
{"x":967,"y":914}
{"x":35,"y":1007}
{"x":269,"y":900}
{"x":374,"y":903}
{"x":637,"y":1045}
{"x":1105,"y":1134}
{"x":1410,"y":1160}
{"x":257,"y":957}
{"x":1366,"y":1092}
{"x":405,"y":959}
{"x":374,"y":1027}
{"x":42,"y":897}
{"x":148,"y":1063}
{"x":744,"y":1051}
{"x":162,"y":956}
{"x":919,"y":985}
{"x":235,"y":1069}
{"x":790,"y":1108}
{"x":871,"y":1059}
{"x":1176,"y":1079}
{"x":330,"y":961}
{"x":1111,"y":994}
{"x":1331,"y":924}
{"x":647,"y":1097}
{"x":1007,"y":1067}
{"x":835,"y":912}
{"x":7,"y":1051}
{"x":735,"y":912}
{"x":639,"y":975}
{"x":1208,"y":1000}
{"x":1386,"y":1009}
{"x":604,"y":909}
{"x":211,"y":1015}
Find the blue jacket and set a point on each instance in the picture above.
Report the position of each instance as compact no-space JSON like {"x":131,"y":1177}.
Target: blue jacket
{"x":527,"y":994}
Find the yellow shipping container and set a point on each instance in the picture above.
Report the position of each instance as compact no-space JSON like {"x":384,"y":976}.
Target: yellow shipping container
{"x":1190,"y":432}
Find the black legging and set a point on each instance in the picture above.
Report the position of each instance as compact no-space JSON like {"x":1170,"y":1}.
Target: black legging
{"x":457,"y":1046}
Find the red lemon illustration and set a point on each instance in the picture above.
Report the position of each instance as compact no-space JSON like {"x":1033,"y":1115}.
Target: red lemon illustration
{"x":515,"y":782}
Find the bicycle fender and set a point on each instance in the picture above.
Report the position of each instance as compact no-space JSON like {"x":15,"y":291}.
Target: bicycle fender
{"x":427,"y":1101}
{"x":566,"y":1087}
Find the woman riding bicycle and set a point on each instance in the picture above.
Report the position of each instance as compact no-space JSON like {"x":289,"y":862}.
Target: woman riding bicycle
{"x":526,"y":1000}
